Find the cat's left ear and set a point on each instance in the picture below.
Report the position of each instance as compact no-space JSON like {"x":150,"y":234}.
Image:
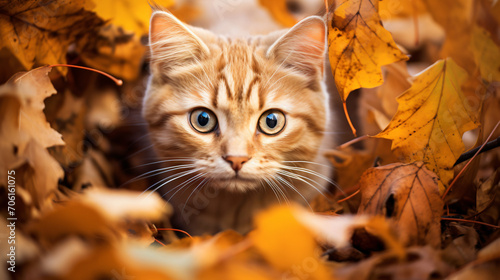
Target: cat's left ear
{"x":173,"y":43}
{"x":302,"y":47}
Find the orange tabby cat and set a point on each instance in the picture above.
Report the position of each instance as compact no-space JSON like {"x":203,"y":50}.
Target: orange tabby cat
{"x":238,"y":122}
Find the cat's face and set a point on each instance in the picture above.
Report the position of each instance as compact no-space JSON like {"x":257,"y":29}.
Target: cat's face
{"x":239,"y":109}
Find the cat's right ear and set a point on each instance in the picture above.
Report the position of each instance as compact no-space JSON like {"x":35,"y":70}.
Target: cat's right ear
{"x":172,"y":43}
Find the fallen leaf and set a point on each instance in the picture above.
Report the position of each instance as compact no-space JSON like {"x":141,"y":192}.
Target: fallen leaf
{"x":114,"y":51}
{"x":488,"y":196}
{"x":39,"y":32}
{"x":278,"y":9}
{"x":390,"y":9}
{"x":431,"y":119}
{"x":130,"y":15}
{"x":276,"y":230}
{"x":407,"y":193}
{"x":418,"y":263}
{"x":359,"y":45}
{"x":486,"y":54}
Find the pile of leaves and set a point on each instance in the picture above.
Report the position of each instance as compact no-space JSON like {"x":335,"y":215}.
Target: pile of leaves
{"x":420,"y":195}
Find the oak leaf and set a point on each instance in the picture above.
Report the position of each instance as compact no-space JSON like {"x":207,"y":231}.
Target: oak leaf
{"x":432,"y":116}
{"x":409,"y":194}
{"x":39,"y":32}
{"x":359,"y":45}
{"x":129,"y":14}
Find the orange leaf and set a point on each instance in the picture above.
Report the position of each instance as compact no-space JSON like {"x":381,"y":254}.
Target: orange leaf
{"x":409,"y":194}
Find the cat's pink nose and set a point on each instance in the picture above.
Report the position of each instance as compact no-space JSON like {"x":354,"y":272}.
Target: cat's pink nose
{"x":236,"y":162}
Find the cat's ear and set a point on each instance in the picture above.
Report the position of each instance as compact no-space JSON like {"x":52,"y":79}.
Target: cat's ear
{"x":302,"y":47}
{"x":172,"y":43}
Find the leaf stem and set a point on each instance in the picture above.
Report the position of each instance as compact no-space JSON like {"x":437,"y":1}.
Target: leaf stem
{"x":349,"y":197}
{"x":178,"y":230}
{"x":349,"y":119}
{"x":118,"y":82}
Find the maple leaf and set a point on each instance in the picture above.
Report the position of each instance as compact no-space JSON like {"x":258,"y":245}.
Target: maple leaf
{"x":409,"y":194}
{"x":432,"y":116}
{"x":129,"y":14}
{"x":39,"y":32}
{"x":359,"y":45}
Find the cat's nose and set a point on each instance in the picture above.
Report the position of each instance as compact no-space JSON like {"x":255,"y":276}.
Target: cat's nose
{"x":236,"y":162}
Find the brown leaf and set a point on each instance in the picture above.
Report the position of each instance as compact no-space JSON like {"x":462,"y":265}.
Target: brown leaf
{"x":113,"y":51}
{"x":39,"y":32}
{"x":409,"y":194}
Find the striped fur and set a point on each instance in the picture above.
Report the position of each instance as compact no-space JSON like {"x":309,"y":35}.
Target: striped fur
{"x":238,"y":79}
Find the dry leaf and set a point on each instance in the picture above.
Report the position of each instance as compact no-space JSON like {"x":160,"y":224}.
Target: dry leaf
{"x":486,"y":54}
{"x":431,"y":119}
{"x":130,"y":15}
{"x":276,"y":238}
{"x":114,"y":51}
{"x":409,"y":194}
{"x":39,"y":32}
{"x":359,"y":45}
{"x":278,"y":9}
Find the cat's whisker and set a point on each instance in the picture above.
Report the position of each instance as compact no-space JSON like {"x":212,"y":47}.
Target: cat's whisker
{"x":272,"y":189}
{"x":311,"y":172}
{"x":163,"y":161}
{"x":279,"y":178}
{"x":180,"y":187}
{"x":307,"y":162}
{"x":159,"y":171}
{"x":302,"y":179}
{"x":200,"y":186}
{"x":280,"y":190}
{"x":179,"y":175}
{"x":141,"y":150}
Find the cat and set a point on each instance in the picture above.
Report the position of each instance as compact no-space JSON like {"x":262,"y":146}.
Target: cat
{"x":238,"y":123}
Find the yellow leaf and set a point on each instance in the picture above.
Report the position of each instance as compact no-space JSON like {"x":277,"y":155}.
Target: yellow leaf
{"x":279,"y":11}
{"x":129,"y":14}
{"x":39,"y":32}
{"x":359,"y":45}
{"x":450,"y":14}
{"x":432,"y":116}
{"x":287,"y":244}
{"x":390,"y":9}
{"x":486,"y":54}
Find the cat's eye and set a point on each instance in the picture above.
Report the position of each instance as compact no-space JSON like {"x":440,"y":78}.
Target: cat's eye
{"x":272,"y":122}
{"x":203,"y":120}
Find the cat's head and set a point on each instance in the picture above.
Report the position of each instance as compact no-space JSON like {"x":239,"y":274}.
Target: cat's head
{"x":238,"y":109}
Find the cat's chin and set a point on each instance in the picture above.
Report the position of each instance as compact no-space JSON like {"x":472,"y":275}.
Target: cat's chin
{"x":235,"y":184}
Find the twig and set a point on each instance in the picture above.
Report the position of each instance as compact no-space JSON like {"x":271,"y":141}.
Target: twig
{"x":467,"y":165}
{"x":174,"y":229}
{"x":488,"y":146}
{"x":469,"y":221}
{"x":353,"y":141}
{"x":349,"y":197}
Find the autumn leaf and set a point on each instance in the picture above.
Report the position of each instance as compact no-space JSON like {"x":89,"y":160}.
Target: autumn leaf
{"x":279,"y":11}
{"x":129,"y":14}
{"x":39,"y":32}
{"x":409,"y":194}
{"x":114,"y":51}
{"x":276,"y":230}
{"x":431,"y":119}
{"x":359,"y":45}
{"x":486,"y":54}
{"x":390,"y":9}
